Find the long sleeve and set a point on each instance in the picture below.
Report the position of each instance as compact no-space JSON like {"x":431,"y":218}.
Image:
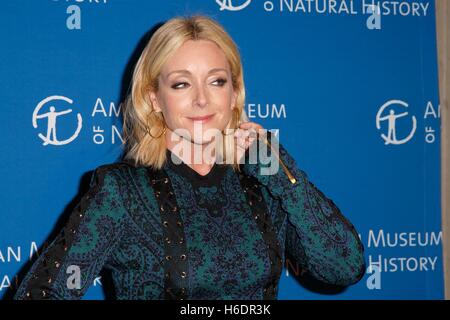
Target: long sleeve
{"x":68,"y":266}
{"x":318,"y":236}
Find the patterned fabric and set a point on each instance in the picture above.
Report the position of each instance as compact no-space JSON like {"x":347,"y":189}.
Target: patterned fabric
{"x":174,"y":234}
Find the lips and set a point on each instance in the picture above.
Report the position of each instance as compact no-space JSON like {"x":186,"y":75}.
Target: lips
{"x":202,"y":118}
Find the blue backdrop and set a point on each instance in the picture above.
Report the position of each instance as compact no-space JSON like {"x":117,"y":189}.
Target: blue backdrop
{"x":353,"y":89}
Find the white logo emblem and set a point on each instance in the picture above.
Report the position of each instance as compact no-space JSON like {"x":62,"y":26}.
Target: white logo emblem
{"x":227,"y":5}
{"x":50,"y":138}
{"x":391,"y":137}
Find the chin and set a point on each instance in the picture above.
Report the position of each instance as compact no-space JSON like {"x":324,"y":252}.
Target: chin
{"x":207,"y":136}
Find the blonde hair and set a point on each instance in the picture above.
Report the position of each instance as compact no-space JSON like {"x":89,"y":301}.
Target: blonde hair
{"x":142,"y":148}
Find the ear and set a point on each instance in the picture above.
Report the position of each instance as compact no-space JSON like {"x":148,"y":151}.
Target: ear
{"x":154,"y":101}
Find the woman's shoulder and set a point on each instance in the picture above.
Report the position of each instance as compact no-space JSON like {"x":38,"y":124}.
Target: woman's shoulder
{"x":123,"y":170}
{"x":115,"y":167}
{"x":128,"y":182}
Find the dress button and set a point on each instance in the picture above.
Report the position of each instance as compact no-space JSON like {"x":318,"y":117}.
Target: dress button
{"x":162,"y":208}
{"x":167,"y":240}
{"x":165,"y":223}
{"x":168,"y":257}
{"x":179,"y":223}
{"x":174,"y":208}
{"x":183,"y":274}
{"x":183,"y":257}
{"x":181,"y":240}
{"x":167,"y":274}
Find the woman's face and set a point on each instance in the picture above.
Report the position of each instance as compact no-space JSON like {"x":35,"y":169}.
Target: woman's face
{"x":195,"y":90}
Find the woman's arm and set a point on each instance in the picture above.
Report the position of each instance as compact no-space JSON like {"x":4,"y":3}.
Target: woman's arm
{"x":69,"y":265}
{"x":318,"y":236}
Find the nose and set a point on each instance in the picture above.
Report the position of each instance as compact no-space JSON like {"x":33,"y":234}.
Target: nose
{"x":200,"y":99}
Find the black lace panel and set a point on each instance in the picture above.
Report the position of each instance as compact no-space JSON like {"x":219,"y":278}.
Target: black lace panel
{"x":175,"y":257}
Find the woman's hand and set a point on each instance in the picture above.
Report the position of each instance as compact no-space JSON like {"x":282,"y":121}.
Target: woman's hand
{"x":244,"y":136}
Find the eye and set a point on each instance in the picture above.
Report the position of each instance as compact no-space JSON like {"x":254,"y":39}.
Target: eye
{"x":176,"y":85}
{"x":221,"y":81}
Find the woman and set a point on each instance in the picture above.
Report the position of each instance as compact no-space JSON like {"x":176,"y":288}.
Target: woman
{"x":172,"y":221}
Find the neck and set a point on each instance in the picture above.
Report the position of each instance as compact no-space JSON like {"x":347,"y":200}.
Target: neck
{"x":200,"y":157}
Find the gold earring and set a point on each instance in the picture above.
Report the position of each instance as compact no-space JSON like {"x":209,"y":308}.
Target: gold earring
{"x":148,"y":129}
{"x":159,"y":136}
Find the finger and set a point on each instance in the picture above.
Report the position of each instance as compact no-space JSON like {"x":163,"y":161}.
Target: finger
{"x":245,"y":125}
{"x":238,"y":133}
{"x":241,"y":133}
{"x":249,"y":125}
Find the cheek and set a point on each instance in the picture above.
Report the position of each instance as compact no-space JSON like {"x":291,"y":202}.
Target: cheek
{"x":173,"y":107}
{"x":227,"y":112}
{"x":223,"y":103}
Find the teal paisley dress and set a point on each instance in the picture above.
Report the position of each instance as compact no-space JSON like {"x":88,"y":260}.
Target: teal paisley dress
{"x":175,"y":234}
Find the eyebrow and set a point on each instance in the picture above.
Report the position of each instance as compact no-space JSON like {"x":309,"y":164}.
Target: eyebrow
{"x":188,"y":72}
